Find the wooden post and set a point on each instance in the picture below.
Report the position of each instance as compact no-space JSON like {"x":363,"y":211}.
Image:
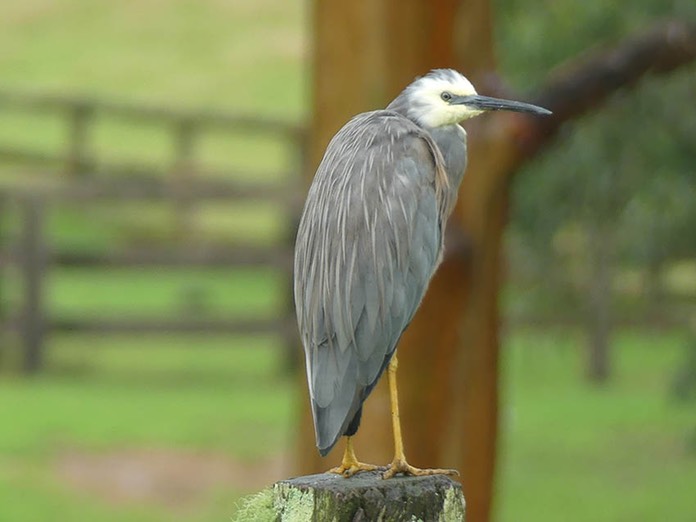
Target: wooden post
{"x":183,"y":174}
{"x":3,"y":262}
{"x":366,"y":497}
{"x":79,"y":117}
{"x":292,"y":348}
{"x":292,"y":345}
{"x":33,"y":266}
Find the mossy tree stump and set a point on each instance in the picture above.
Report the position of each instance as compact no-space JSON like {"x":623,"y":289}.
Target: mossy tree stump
{"x":367,"y":497}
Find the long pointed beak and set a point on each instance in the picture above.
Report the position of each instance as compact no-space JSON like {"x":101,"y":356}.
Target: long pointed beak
{"x":485,"y":103}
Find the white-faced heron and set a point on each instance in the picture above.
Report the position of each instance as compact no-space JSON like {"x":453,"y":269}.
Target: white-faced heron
{"x":369,"y":241}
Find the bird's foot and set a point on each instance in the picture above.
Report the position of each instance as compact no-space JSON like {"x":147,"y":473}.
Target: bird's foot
{"x":350,"y":465}
{"x":401,"y":466}
{"x":350,"y":468}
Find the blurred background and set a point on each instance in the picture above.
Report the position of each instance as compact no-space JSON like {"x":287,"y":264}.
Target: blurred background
{"x":153,"y":160}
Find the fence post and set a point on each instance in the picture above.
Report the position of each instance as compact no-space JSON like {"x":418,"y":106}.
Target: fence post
{"x":291,"y":341}
{"x":33,"y":255}
{"x":366,"y":496}
{"x":183,"y":172}
{"x":293,"y":349}
{"x":79,"y":117}
{"x":3,"y":262}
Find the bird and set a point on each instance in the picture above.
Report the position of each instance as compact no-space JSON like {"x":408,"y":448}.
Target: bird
{"x":370,"y":238}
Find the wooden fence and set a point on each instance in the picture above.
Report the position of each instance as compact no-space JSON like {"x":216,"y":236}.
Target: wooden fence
{"x":183,"y":181}
{"x":185,"y":126}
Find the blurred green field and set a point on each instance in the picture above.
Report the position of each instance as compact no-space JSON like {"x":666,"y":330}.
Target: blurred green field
{"x":199,"y":399}
{"x":232,"y":55}
{"x":154,"y":293}
{"x":572,"y":452}
{"x":569,"y":452}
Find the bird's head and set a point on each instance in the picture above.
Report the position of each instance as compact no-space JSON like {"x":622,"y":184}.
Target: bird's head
{"x":445,"y":97}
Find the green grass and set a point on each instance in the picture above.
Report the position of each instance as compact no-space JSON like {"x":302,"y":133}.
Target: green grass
{"x":145,"y":292}
{"x":27,"y":494}
{"x":235,"y":55}
{"x":158,"y":390}
{"x":74,"y":293}
{"x":573,"y":452}
{"x":568,"y":451}
{"x":210,"y":395}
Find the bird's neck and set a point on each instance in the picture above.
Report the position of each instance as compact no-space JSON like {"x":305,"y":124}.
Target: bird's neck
{"x":451,"y":140}
{"x":400,"y":104}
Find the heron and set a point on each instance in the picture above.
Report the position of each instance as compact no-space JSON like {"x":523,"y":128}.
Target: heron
{"x":370,"y":238}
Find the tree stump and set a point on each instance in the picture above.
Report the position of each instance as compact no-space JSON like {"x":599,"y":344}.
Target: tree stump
{"x":367,"y":497}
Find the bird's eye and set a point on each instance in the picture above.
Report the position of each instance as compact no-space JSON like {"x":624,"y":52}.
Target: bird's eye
{"x":446,"y":96}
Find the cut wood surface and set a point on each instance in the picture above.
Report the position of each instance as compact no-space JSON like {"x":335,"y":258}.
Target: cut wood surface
{"x":367,"y":497}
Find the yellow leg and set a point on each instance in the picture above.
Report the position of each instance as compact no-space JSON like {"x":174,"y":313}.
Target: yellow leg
{"x":399,"y":464}
{"x":350,"y":464}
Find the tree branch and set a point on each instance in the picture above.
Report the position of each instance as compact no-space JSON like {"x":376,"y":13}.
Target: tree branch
{"x":584,"y":83}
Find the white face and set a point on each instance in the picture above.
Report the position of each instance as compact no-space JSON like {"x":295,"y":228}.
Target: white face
{"x":428,"y":99}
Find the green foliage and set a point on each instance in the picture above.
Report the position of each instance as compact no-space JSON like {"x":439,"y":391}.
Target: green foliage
{"x":617,"y":186}
{"x":534,"y":38}
{"x":256,"y":508}
{"x":629,"y":165}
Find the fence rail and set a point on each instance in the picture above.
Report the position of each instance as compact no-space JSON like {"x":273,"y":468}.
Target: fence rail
{"x":80,"y":107}
{"x":242,"y":256}
{"x":140,"y":188}
{"x":126,"y":325}
{"x":185,"y":126}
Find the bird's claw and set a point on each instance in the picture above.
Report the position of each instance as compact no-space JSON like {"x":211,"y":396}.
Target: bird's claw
{"x":347,"y":470}
{"x":403,"y":467}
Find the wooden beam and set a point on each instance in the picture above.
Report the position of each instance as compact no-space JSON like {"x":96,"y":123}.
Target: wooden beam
{"x":33,"y":266}
{"x":150,"y":186}
{"x":132,"y":325}
{"x":79,"y":118}
{"x":3,"y":274}
{"x":211,"y":119}
{"x":277,"y":256}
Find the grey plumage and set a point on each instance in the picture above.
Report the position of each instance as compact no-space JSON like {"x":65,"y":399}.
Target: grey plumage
{"x":370,"y":239}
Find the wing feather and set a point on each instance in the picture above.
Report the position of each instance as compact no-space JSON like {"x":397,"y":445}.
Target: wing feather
{"x":367,"y":246}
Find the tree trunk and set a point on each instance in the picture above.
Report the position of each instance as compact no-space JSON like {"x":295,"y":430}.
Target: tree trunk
{"x":653,"y":290}
{"x":599,"y":302}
